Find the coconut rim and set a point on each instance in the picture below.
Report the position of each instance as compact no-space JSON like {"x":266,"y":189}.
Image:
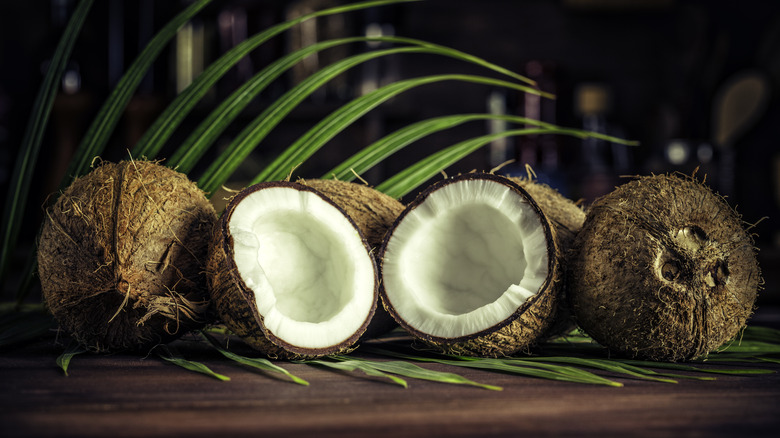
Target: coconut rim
{"x":544,"y":288}
{"x":248,"y":294}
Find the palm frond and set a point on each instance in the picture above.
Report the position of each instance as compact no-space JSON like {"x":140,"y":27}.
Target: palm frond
{"x":99,"y":132}
{"x":338,"y":120}
{"x":33,"y":136}
{"x":153,"y":140}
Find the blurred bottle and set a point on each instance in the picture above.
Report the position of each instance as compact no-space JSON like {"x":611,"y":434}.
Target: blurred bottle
{"x":602,"y":161}
{"x":540,"y":153}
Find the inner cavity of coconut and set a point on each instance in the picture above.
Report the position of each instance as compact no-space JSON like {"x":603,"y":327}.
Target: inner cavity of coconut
{"x":465,"y":259}
{"x":311,"y":273}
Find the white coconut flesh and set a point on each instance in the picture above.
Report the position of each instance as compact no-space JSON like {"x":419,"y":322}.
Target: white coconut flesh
{"x":311,"y":273}
{"x":464,"y":259}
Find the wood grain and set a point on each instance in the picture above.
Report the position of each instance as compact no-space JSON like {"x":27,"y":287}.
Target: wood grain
{"x":130,"y":396}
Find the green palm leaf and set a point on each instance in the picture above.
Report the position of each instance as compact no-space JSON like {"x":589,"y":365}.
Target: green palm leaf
{"x":254,"y":362}
{"x":63,"y":360}
{"x":376,"y":152}
{"x":235,"y":153}
{"x":530,"y":369}
{"x":33,"y":136}
{"x":414,"y":175}
{"x":170,"y":354}
{"x":358,"y":365}
{"x":108,"y":116}
{"x":413,"y":371}
{"x":153,"y":140}
{"x":196,"y":144}
{"x":335,"y":122}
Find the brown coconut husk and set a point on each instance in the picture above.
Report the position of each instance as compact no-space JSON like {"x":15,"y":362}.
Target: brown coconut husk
{"x":663,"y":269}
{"x":567,"y":217}
{"x":121,"y":256}
{"x":369,"y":210}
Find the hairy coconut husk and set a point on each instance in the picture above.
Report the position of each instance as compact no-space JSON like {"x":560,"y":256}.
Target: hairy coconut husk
{"x":567,"y":217}
{"x":373,"y":211}
{"x":369,"y":210}
{"x":121,"y":256}
{"x":530,"y":322}
{"x":564,"y":214}
{"x":663,"y":270}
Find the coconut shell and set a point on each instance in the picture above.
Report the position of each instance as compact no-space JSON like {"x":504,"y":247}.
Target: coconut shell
{"x":373,"y":211}
{"x":567,"y":218}
{"x":564,"y":214}
{"x":529,"y":323}
{"x":121,"y":256}
{"x":369,"y":210}
{"x":663,"y":270}
{"x":374,"y":214}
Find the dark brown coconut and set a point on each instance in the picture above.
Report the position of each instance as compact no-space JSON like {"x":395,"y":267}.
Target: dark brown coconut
{"x":369,"y":211}
{"x":121,"y":256}
{"x":518,"y":331}
{"x":663,"y":270}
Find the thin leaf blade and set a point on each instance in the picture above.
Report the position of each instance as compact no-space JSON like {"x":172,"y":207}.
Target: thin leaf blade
{"x":416,"y":372}
{"x":24,"y":166}
{"x":341,"y":118}
{"x":354,"y":365}
{"x":256,"y":130}
{"x":538,"y":370}
{"x":414,"y":175}
{"x":73,"y":349}
{"x":259,"y":363}
{"x":170,"y":355}
{"x":419,"y":172}
{"x":196,"y":144}
{"x":376,"y":152}
{"x":108,"y":116}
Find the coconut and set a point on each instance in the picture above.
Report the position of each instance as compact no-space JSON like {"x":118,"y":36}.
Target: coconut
{"x":663,"y":270}
{"x":567,"y":218}
{"x":472,"y":266}
{"x":121,"y":256}
{"x":564,"y":214}
{"x":292,"y":269}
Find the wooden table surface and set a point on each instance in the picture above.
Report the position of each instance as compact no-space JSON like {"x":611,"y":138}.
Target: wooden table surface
{"x":125,"y":395}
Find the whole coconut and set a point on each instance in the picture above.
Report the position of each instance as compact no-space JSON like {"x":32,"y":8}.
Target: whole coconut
{"x":663,"y":270}
{"x":121,"y":256}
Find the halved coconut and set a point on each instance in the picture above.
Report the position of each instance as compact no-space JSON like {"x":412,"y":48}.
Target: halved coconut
{"x":472,"y":267}
{"x":291,"y":272}
{"x":663,"y":270}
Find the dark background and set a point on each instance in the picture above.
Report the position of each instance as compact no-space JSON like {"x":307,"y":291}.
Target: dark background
{"x":660,"y":66}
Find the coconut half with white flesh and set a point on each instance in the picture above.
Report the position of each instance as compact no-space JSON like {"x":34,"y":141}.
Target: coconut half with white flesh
{"x":472,"y":267}
{"x":291,"y":272}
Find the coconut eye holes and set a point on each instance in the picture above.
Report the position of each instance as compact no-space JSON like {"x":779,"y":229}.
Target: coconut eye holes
{"x":718,"y":275}
{"x":691,"y":237}
{"x":695,"y":232}
{"x":670,"y":270}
